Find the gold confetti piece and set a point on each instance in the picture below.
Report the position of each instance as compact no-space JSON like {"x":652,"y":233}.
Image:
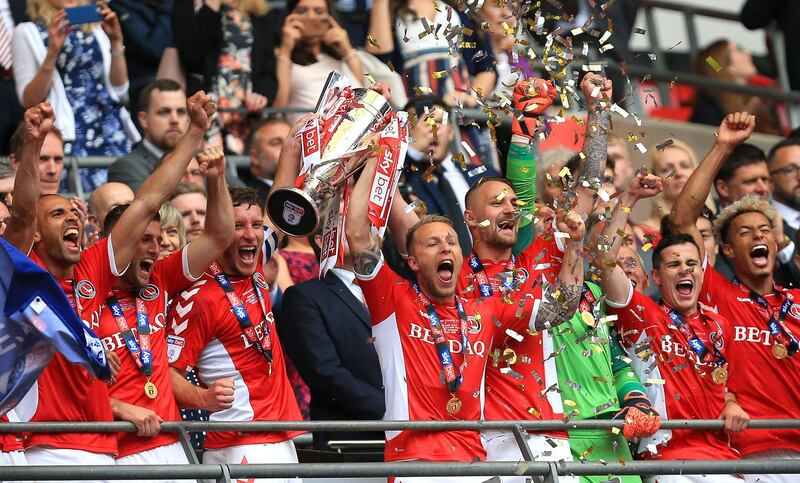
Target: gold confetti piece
{"x":560,"y":234}
{"x":533,"y":412}
{"x":713,"y":63}
{"x":570,"y":403}
{"x":654,"y":380}
{"x":373,"y":42}
{"x":647,"y":246}
{"x":564,"y":172}
{"x":588,"y":318}
{"x":615,"y":430}
{"x":606,"y":48}
{"x":510,"y":356}
{"x":423,"y":90}
{"x":390,"y":64}
{"x":502,"y":195}
{"x":632,"y":138}
{"x":605,"y":37}
{"x":370,"y":78}
{"x":466,"y":45}
{"x":576,"y":31}
{"x":439,"y":74}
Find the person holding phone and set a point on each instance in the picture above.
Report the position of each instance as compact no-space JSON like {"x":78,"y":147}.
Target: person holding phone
{"x":312,"y":45}
{"x":227,"y":49}
{"x":72,"y":54}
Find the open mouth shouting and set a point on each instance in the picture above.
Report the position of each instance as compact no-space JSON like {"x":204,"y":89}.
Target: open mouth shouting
{"x":685,"y":287}
{"x":247,"y":255}
{"x":445,"y":270}
{"x":759,"y":254}
{"x":146,"y":266}
{"x":72,"y":239}
{"x":506,"y":225}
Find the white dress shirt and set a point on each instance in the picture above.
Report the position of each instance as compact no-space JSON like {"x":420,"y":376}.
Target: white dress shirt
{"x":348,"y":277}
{"x":789,"y":214}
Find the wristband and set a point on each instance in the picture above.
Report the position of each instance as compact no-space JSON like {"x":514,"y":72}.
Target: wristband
{"x":350,"y":55}
{"x":118,"y":53}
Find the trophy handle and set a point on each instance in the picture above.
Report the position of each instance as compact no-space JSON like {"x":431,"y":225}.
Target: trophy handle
{"x":293,"y":211}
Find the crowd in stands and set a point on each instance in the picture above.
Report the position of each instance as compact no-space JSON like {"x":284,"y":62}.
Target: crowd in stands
{"x":515,"y":282}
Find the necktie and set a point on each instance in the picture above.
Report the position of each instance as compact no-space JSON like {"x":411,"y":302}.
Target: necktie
{"x":6,"y":59}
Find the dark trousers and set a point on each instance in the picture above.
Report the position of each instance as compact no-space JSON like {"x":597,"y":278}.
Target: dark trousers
{"x":10,"y":114}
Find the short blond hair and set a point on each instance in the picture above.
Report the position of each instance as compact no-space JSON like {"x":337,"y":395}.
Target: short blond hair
{"x":425,"y":220}
{"x":748,"y":204}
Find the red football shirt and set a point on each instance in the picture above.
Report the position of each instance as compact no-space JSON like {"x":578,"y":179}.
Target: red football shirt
{"x":205,"y":335}
{"x":764,"y":386}
{"x":412,"y":372}
{"x":520,"y":391}
{"x":170,"y":276}
{"x":67,"y":392}
{"x":678,"y":385}
{"x":10,"y":441}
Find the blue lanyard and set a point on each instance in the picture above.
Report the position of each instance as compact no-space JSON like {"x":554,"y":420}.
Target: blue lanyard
{"x":484,"y":285}
{"x":694,"y":342}
{"x":777,"y":327}
{"x":452,"y":376}
{"x":140,"y":351}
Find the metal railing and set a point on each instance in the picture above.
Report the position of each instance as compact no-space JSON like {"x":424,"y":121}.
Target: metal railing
{"x":544,"y":471}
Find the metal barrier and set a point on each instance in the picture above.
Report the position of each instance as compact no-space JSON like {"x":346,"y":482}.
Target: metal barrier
{"x":540,"y":470}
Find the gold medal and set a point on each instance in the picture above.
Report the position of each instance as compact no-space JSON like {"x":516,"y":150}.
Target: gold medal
{"x":150,"y":390}
{"x":510,"y":356}
{"x":719,"y":375}
{"x":779,"y":350}
{"x":454,"y":405}
{"x":588,"y":318}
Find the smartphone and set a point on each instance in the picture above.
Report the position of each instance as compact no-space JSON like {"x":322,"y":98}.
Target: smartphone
{"x":317,"y":26}
{"x":83,"y":14}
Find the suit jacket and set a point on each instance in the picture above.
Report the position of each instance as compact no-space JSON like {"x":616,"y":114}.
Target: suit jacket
{"x":248,"y":179}
{"x":18,"y":11}
{"x":133,"y":168}
{"x":198,"y":37}
{"x":326,"y":332}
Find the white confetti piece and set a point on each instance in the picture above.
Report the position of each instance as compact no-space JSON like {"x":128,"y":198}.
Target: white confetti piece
{"x":476,"y":171}
{"x":619,"y":110}
{"x":606,"y":47}
{"x":641,"y":148}
{"x":468,"y":149}
{"x":605,"y":37}
{"x":514,"y":335}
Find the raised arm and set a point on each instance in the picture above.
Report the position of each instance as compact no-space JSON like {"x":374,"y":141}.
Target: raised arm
{"x":364,"y":248}
{"x":597,"y":92}
{"x":22,"y":228}
{"x":733,"y":131}
{"x":616,"y":286}
{"x":560,"y":299}
{"x":380,"y":28}
{"x":157,"y":188}
{"x":219,"y":231}
{"x":401,"y":218}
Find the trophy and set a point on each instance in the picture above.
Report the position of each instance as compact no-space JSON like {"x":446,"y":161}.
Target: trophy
{"x":335,"y":145}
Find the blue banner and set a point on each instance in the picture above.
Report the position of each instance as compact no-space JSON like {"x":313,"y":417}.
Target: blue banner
{"x":37,"y":320}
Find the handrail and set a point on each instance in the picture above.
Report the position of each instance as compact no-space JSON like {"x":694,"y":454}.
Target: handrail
{"x":265,"y":426}
{"x":690,"y":9}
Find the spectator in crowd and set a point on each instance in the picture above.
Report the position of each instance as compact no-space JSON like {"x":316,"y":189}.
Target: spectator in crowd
{"x":226,"y":48}
{"x":5,"y":217}
{"x":433,"y":174}
{"x":744,"y":172}
{"x":164,"y":119}
{"x":502,"y":24}
{"x":784,"y":173}
{"x":12,"y":13}
{"x":674,"y":164}
{"x":725,"y":60}
{"x":758,"y":14}
{"x":194,"y":175}
{"x":147,"y":28}
{"x":619,"y":156}
{"x":265,"y":149}
{"x":82,"y":72}
{"x":7,"y":174}
{"x":190,"y":200}
{"x":762,"y":315}
{"x":325,"y":329}
{"x":51,"y":158}
{"x":104,"y":199}
{"x":173,"y":236}
{"x":550,"y":185}
{"x":312,"y":45}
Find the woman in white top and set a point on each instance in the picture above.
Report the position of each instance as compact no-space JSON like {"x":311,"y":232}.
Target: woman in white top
{"x":312,"y":45}
{"x":82,"y":72}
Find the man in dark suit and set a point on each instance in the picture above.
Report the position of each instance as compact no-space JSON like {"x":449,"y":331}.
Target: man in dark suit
{"x":164,"y":119}
{"x":325,"y":329}
{"x":264,"y":150}
{"x":433,"y":174}
{"x":12,"y":13}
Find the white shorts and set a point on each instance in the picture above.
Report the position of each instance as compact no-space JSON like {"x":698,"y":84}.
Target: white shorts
{"x":502,"y":446}
{"x":441,"y":479}
{"x":12,"y":458}
{"x":692,"y":479}
{"x":170,"y":454}
{"x":48,"y":456}
{"x":282,"y":452}
{"x":774,"y":454}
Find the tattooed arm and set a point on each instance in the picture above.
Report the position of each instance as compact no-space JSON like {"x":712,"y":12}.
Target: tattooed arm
{"x":560,"y":298}
{"x":590,"y":172}
{"x":364,"y":249}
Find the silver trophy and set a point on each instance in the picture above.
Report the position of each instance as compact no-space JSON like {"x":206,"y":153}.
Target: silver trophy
{"x":296,"y":211}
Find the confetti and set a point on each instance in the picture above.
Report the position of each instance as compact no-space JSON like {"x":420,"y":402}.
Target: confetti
{"x":654,"y":380}
{"x":713,"y":63}
{"x":647,"y":246}
{"x":564,"y":172}
{"x":605,"y":48}
{"x":639,"y":30}
{"x":468,"y":149}
{"x":484,"y":224}
{"x":514,"y":335}
{"x":502,"y":195}
{"x":476,"y":171}
{"x":641,"y":148}
{"x":373,"y":42}
{"x":619,"y":110}
{"x":560,"y":234}
{"x":439,"y":74}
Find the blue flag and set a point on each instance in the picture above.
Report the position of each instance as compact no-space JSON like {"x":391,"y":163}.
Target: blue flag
{"x":37,"y":320}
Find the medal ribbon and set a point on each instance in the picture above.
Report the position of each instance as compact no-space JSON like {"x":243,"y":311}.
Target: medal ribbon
{"x":777,"y":327}
{"x":262,"y":343}
{"x":694,"y":342}
{"x":141,"y":350}
{"x":587,"y":300}
{"x":482,"y":279}
{"x":452,"y":379}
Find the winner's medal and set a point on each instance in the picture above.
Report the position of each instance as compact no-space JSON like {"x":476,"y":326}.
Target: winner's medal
{"x":150,"y":390}
{"x":719,"y":375}
{"x":454,"y":406}
{"x":779,"y":350}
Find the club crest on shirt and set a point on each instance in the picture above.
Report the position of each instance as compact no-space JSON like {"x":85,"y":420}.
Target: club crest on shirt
{"x":473,"y":325}
{"x":717,"y":339}
{"x":522,"y":275}
{"x":261,"y":281}
{"x":149,"y":292}
{"x":85,"y":289}
{"x":795,"y":311}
